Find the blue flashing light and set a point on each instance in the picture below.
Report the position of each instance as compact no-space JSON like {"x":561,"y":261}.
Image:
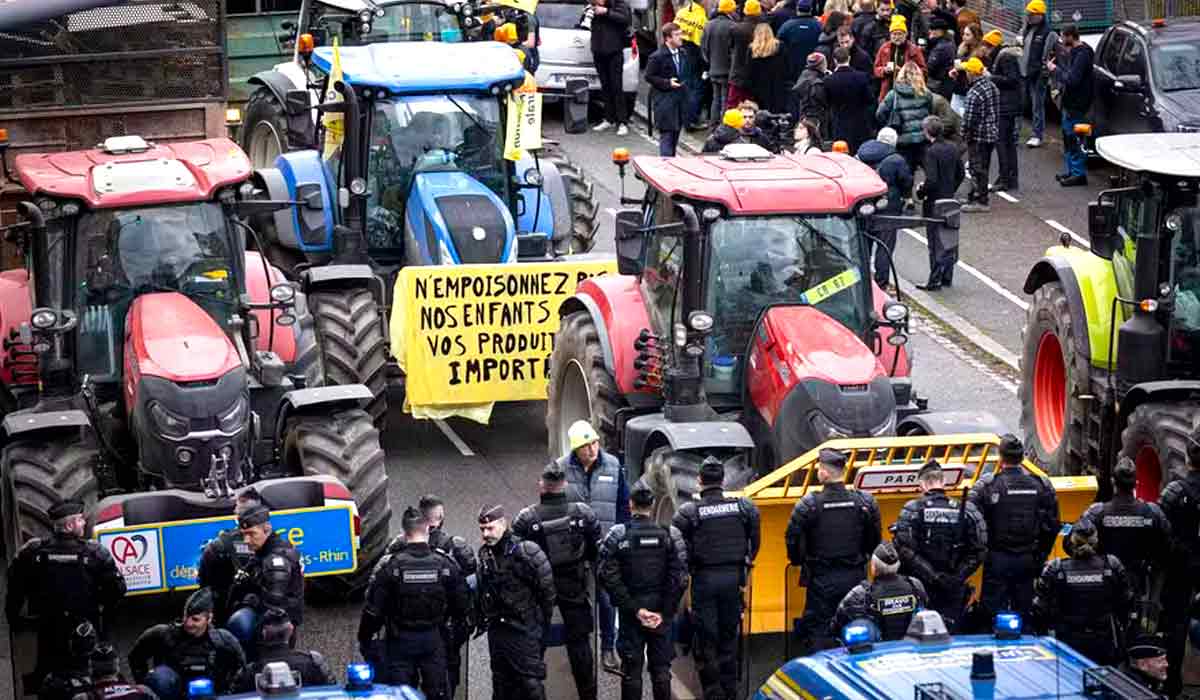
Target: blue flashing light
{"x":1008,"y":625}
{"x":200,"y":689}
{"x":855,"y":634}
{"x":359,"y":675}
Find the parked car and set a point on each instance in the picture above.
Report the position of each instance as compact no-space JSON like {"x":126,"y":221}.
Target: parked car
{"x":565,"y":51}
{"x":1147,"y":78}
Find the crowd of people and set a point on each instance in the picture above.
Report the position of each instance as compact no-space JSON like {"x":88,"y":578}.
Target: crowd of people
{"x":591,"y":539}
{"x":823,"y":65}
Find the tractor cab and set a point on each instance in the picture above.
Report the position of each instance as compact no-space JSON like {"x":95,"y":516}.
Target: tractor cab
{"x":362,"y":22}
{"x":1149,"y":227}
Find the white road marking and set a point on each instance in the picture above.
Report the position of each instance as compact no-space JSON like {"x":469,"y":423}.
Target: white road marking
{"x":454,"y":438}
{"x":611,"y":212}
{"x":988,"y":281}
{"x":1006,"y":197}
{"x":1063,"y":229}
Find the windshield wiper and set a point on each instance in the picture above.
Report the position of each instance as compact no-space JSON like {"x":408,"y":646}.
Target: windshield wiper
{"x":469,"y":115}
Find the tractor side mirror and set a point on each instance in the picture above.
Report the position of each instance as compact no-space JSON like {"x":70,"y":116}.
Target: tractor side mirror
{"x":1130,"y":83}
{"x":1102,"y":228}
{"x":631,"y":242}
{"x":949,"y":210}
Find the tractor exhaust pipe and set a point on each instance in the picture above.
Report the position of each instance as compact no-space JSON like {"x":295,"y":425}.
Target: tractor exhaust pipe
{"x":350,"y":240}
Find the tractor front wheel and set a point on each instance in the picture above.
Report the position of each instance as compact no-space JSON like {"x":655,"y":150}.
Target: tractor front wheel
{"x":1053,"y":376}
{"x":674,"y":478}
{"x":1156,"y":439}
{"x":264,"y":134}
{"x":36,"y":475}
{"x":345,"y":445}
{"x":580,"y":387}
{"x":581,"y":194}
{"x":350,"y":345}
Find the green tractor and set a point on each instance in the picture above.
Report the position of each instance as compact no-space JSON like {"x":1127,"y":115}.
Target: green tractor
{"x":1111,"y":357}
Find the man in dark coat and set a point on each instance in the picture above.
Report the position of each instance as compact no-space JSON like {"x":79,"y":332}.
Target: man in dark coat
{"x":811,"y":103}
{"x":940,"y":54}
{"x":1006,"y":74}
{"x":880,"y":153}
{"x":664,"y":73}
{"x":944,"y":173}
{"x":716,"y":45}
{"x":610,"y":26}
{"x":800,"y":35}
{"x":848,"y":90}
{"x":1077,"y":85}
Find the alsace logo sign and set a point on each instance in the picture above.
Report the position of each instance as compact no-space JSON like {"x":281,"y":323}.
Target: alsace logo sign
{"x":137,"y":556}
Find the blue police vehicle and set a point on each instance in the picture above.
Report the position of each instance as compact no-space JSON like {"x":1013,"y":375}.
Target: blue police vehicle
{"x":929,"y":664}
{"x":279,"y":681}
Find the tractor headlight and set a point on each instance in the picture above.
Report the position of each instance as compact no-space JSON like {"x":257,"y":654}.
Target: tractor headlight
{"x":283,"y":293}
{"x":234,"y":418}
{"x":700,"y":321}
{"x":358,"y":186}
{"x":167,"y":422}
{"x":43,"y":319}
{"x":895,"y":312}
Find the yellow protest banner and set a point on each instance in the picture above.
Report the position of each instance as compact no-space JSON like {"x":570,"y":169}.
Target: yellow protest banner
{"x":474,"y":334}
{"x":524,"y":129}
{"x":334,"y":122}
{"x":528,"y":6}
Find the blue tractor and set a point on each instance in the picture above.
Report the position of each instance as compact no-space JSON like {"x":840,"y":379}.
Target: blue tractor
{"x":420,"y":179}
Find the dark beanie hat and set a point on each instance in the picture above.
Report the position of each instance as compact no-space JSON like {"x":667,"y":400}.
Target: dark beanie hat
{"x":199,"y":602}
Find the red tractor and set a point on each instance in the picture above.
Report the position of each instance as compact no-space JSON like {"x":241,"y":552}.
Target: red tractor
{"x":743,"y":324}
{"x":150,"y":361}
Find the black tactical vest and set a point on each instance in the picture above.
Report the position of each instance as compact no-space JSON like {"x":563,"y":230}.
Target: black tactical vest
{"x":838,"y":534}
{"x":643,"y":556}
{"x":938,"y":531}
{"x":1085,"y":594}
{"x":505,"y":571}
{"x":191,"y":657}
{"x":1123,"y":527}
{"x":1014,"y":495}
{"x":894,"y":602}
{"x":417,"y":587}
{"x":559,"y":532}
{"x":719,"y":538}
{"x":62,"y":584}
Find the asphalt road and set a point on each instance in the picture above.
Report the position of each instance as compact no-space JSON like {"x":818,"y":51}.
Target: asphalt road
{"x":471,"y":464}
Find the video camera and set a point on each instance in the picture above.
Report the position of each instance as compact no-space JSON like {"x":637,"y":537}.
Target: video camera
{"x":777,"y":131}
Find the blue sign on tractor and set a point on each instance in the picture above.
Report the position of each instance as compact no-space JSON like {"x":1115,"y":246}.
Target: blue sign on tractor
{"x":159,"y":557}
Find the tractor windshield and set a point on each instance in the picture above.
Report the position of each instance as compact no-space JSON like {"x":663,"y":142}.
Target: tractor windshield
{"x":429,"y":133}
{"x":759,"y":261}
{"x":180,"y":247}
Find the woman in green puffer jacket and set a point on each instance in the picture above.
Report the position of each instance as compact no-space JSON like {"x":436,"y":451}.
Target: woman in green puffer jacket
{"x":903,"y":108}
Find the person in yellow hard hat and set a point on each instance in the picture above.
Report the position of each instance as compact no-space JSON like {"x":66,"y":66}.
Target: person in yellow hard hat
{"x":981,"y":130}
{"x":730,"y":130}
{"x":596,"y":478}
{"x":1039,"y":43}
{"x":892,"y":56}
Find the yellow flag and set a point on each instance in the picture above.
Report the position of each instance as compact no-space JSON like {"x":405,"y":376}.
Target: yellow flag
{"x":529,"y":6}
{"x":334,"y":122}
{"x":524,"y":130}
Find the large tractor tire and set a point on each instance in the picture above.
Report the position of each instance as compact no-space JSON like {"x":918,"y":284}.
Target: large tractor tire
{"x":580,"y":386}
{"x":36,"y":475}
{"x":1053,"y":377}
{"x":264,"y":134}
{"x":350,"y":345}
{"x":674,"y":477}
{"x":1156,"y":439}
{"x":346,"y":445}
{"x":584,"y":209}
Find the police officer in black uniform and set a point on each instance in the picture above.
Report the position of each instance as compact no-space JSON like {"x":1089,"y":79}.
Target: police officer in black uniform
{"x":1086,"y":598}
{"x":107,"y":683}
{"x":722,"y":537}
{"x":1180,"y":502}
{"x":273,"y":577}
{"x":1021,"y":512}
{"x":889,"y":599}
{"x":941,"y":541}
{"x":458,"y":630}
{"x":569,"y":534}
{"x":274,"y":636}
{"x":516,"y":597}
{"x":643,"y":566}
{"x":66,"y":580}
{"x":413,"y":591}
{"x":831,"y":535}
{"x":1134,"y":531}
{"x":225,"y":556}
{"x":166,"y":657}
{"x":73,"y":679}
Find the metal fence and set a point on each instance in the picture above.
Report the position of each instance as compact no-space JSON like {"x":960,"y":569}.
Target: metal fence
{"x":132,"y":52}
{"x":1089,"y":15}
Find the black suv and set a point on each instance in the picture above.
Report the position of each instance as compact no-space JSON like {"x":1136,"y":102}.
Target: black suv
{"x":1148,"y":78}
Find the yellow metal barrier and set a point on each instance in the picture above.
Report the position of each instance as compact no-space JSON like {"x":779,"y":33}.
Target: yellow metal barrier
{"x":887,"y":468}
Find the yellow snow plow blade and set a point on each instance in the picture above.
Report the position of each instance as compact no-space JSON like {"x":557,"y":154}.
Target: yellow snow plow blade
{"x":887,"y":467}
